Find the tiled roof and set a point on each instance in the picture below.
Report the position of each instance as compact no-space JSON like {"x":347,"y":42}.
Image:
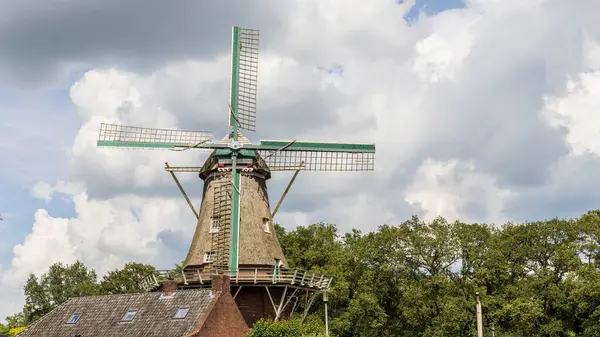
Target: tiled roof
{"x":101,"y":315}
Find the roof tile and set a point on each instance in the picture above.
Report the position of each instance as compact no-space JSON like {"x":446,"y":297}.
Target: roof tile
{"x":101,"y":315}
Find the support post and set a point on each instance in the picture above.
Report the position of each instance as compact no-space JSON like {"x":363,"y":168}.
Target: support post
{"x":479,"y":315}
{"x":281,"y":301}
{"x":235,"y":212}
{"x":307,"y":308}
{"x":287,"y":189}
{"x":184,"y":279}
{"x":289,"y":299}
{"x":182,"y":191}
{"x":326,"y":318}
{"x":294,"y":307}
{"x":199,"y":276}
{"x":271,"y":298}
{"x":237,"y":291}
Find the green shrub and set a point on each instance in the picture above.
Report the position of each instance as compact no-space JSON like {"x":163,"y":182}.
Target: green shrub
{"x":288,"y":328}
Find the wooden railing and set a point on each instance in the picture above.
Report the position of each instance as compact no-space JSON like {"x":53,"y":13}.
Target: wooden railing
{"x":242,"y":276}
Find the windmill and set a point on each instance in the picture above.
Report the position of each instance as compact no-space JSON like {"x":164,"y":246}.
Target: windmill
{"x":234,"y":232}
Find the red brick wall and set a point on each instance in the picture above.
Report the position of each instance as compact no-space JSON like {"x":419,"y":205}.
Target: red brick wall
{"x":224,"y":319}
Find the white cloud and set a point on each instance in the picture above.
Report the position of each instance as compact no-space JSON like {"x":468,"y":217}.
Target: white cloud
{"x":578,"y":112}
{"x":46,"y":191}
{"x":457,"y":191}
{"x":113,"y":96}
{"x":292,"y":219}
{"x":104,"y":234}
{"x":440,"y":55}
{"x":42,"y":190}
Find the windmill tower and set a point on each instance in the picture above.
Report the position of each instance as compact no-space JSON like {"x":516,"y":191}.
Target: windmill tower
{"x":234,"y":232}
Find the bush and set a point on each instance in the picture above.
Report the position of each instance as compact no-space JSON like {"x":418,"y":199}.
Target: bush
{"x":15,"y":331}
{"x":288,"y":328}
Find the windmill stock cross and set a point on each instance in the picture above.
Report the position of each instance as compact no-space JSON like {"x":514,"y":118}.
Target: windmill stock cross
{"x":235,"y":149}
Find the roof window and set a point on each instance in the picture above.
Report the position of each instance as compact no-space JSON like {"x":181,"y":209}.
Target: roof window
{"x":129,"y":316}
{"x":181,"y":312}
{"x":74,"y":318}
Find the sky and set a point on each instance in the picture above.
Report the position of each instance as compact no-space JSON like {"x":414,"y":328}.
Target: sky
{"x":481,"y":111}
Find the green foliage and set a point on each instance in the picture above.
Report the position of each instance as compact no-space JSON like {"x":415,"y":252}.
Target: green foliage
{"x":288,"y":328}
{"x":126,"y":280}
{"x":419,"y":278}
{"x":14,"y":325}
{"x":178,"y":268}
{"x":15,"y":331}
{"x":60,"y":283}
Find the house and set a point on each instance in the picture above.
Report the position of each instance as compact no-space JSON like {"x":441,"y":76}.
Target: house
{"x":172,"y":312}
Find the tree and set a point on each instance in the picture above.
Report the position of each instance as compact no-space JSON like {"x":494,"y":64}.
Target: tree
{"x":14,"y":325}
{"x":59,"y":284}
{"x":311,"y":247}
{"x":126,"y":280}
{"x":178,"y":269}
{"x":62,"y":282}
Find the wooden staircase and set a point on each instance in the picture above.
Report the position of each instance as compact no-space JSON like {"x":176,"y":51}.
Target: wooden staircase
{"x":221,"y":213}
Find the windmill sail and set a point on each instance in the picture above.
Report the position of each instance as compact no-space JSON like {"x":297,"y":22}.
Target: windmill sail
{"x":244,"y":77}
{"x":114,"y":135}
{"x":289,"y":156}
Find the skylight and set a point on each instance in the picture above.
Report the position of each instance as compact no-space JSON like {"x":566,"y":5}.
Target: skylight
{"x":74,"y":318}
{"x":181,"y":313}
{"x":129,"y":316}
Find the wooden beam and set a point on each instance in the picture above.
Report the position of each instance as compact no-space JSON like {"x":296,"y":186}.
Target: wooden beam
{"x":280,"y":306}
{"x":183,"y":192}
{"x":237,"y":292}
{"x":307,"y":308}
{"x":287,"y":189}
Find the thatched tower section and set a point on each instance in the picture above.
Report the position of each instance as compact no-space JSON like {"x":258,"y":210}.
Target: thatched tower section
{"x":258,"y":242}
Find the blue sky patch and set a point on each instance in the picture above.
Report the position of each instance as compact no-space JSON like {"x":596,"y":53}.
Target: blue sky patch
{"x":431,"y":7}
{"x":332,"y":69}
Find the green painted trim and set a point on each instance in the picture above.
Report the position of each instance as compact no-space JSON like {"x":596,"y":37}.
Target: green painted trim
{"x":247,"y":153}
{"x":223,"y":152}
{"x":313,"y":146}
{"x":248,"y":150}
{"x":235,"y":62}
{"x":155,"y":145}
{"x":235,"y":216}
{"x":242,"y":153}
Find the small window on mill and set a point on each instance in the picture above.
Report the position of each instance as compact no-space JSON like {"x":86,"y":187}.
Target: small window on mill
{"x":74,"y":318}
{"x":129,"y":316}
{"x":215,"y":224}
{"x":181,"y":313}
{"x":267,"y":225}
{"x":209,"y":257}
